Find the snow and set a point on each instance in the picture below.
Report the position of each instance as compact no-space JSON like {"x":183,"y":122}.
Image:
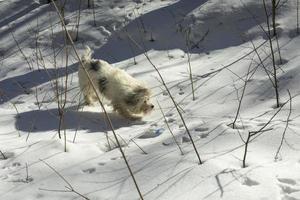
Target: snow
{"x":220,"y":35}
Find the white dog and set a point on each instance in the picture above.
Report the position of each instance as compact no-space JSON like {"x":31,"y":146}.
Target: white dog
{"x":128,"y":96}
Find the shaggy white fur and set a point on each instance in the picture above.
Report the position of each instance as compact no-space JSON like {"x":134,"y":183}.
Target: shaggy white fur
{"x":128,"y":96}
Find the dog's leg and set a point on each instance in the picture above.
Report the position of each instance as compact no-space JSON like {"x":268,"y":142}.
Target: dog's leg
{"x":86,"y":91}
{"x":87,"y":100}
{"x":125,"y":113}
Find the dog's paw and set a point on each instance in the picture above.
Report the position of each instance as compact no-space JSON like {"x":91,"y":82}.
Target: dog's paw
{"x":133,"y":117}
{"x":87,"y":103}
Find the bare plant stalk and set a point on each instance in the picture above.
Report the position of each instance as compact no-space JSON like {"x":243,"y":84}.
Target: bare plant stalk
{"x":298,"y":30}
{"x":242,"y":96}
{"x":132,"y":140}
{"x":69,"y":187}
{"x":78,"y":106}
{"x":246,"y":149}
{"x":94,"y":16}
{"x":274,"y":17}
{"x":78,"y":20}
{"x":37,"y":98}
{"x":21,"y":51}
{"x":197,"y":44}
{"x":61,"y":97}
{"x":254,"y":134}
{"x":140,"y":20}
{"x":273,"y":57}
{"x":3,"y":156}
{"x":62,"y":9}
{"x":278,"y":49}
{"x":36,"y":43}
{"x":132,"y":50}
{"x":27,"y":174}
{"x":250,"y":138}
{"x":64,"y":95}
{"x":107,"y":137}
{"x":42,"y":61}
{"x":189,"y":62}
{"x":99,"y":100}
{"x":286,"y":126}
{"x":55,"y":83}
{"x":174,"y":138}
{"x":65,"y":135}
{"x":170,"y":95}
{"x":151,"y":37}
{"x":107,"y":140}
{"x":31,"y":129}
{"x":18,"y":115}
{"x":262,"y":64}
{"x":15,"y":107}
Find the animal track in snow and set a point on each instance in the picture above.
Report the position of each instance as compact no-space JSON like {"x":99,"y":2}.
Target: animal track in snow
{"x":185,"y":139}
{"x":169,"y":114}
{"x":89,"y":170}
{"x":287,"y":181}
{"x":115,"y":158}
{"x":170,"y":120}
{"x":201,"y":129}
{"x":289,"y":198}
{"x":12,"y":166}
{"x":7,"y":155}
{"x":19,"y":102}
{"x":260,"y":124}
{"x":16,"y":164}
{"x":204,"y":135}
{"x":101,"y":163}
{"x":289,"y":188}
{"x":249,"y":182}
{"x":165,"y":93}
{"x":151,"y":133}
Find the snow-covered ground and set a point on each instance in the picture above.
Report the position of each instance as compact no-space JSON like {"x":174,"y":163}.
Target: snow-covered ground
{"x":216,"y":36}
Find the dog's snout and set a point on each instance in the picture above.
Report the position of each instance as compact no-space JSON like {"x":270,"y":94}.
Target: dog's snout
{"x":152,"y":106}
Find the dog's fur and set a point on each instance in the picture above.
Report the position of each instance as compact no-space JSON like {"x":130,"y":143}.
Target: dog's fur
{"x":128,"y":96}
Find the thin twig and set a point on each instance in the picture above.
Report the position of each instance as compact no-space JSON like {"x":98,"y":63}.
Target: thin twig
{"x":23,"y":54}
{"x":242,"y":96}
{"x":78,"y":20}
{"x":189,"y":62}
{"x":278,"y":49}
{"x":4,"y":157}
{"x":132,"y":140}
{"x":69,"y":187}
{"x":273,"y":57}
{"x":298,"y":30}
{"x":94,"y":16}
{"x":286,"y":126}
{"x":262,"y":64}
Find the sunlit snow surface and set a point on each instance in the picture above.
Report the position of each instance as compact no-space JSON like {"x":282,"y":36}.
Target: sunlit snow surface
{"x":217,"y":35}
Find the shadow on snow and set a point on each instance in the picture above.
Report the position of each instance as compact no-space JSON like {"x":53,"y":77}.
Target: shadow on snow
{"x":165,"y":26}
{"x":47,"y":120}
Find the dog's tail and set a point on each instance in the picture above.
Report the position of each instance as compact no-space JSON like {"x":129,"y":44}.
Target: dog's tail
{"x":87,"y":56}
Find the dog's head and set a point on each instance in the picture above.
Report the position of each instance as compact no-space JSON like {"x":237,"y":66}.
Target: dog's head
{"x":87,"y":55}
{"x":139,"y":101}
{"x":88,"y":62}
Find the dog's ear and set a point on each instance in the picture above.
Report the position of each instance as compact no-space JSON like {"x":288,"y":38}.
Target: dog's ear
{"x":95,"y":65}
{"x":87,"y":56}
{"x":141,"y":91}
{"x":134,"y":97}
